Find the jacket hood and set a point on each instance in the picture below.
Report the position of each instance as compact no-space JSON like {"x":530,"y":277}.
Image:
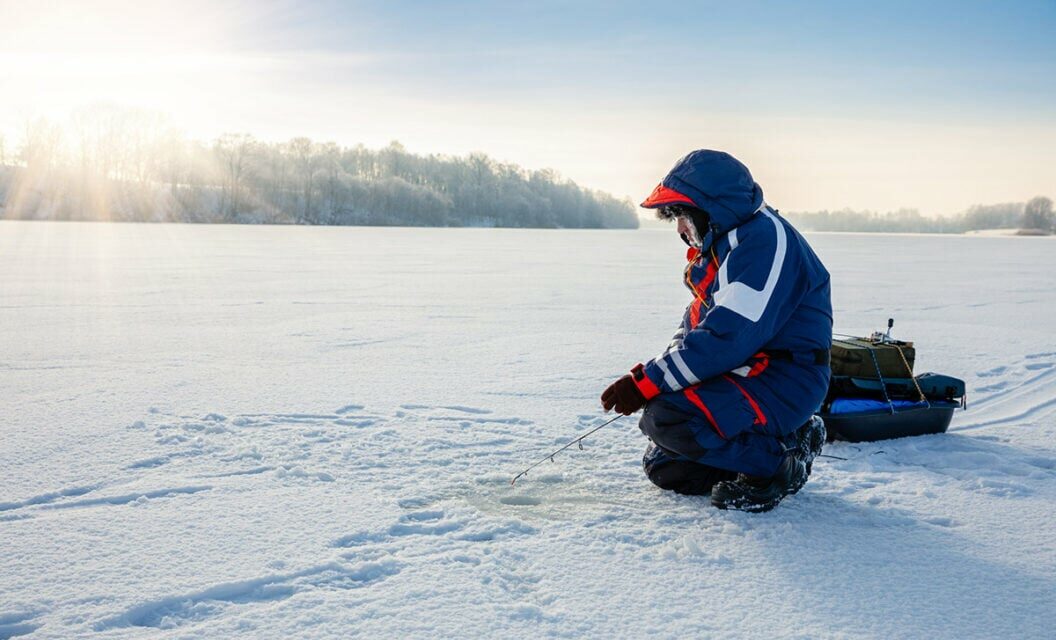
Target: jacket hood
{"x":713,"y":181}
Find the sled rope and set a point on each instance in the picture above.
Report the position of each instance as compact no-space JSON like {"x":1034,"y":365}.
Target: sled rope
{"x":883,"y":384}
{"x":911,"y":376}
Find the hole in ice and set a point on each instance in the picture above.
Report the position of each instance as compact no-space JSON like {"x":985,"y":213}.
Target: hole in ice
{"x":521,"y":501}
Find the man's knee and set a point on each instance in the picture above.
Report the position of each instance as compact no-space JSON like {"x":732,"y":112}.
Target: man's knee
{"x":680,"y":476}
{"x":671,"y":428}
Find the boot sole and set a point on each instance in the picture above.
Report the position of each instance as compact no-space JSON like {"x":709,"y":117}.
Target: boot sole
{"x":739,"y":504}
{"x":748,"y":508}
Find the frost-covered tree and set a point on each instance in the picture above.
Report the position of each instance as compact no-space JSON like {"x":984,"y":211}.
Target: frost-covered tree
{"x":232,"y":150}
{"x":1037,"y":214}
{"x":993,"y":216}
{"x":307,"y":160}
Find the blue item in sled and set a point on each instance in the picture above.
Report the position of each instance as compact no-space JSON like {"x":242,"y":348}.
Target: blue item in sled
{"x":866,"y":420}
{"x":865,"y":405}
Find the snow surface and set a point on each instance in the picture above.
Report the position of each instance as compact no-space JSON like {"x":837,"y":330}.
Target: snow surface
{"x":210,"y":431}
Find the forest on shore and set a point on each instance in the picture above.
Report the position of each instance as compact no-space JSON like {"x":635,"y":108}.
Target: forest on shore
{"x":1035,"y":215}
{"x":122,"y":165}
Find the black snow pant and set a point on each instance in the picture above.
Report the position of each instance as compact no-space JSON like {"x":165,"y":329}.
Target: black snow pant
{"x":668,"y":470}
{"x":681,"y":476}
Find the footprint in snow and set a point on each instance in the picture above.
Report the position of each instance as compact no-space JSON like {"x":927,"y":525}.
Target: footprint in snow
{"x":19,"y":623}
{"x":1046,"y":354}
{"x":170,"y":612}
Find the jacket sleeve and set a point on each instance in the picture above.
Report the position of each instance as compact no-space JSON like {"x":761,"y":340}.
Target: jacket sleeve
{"x":759,"y":286}
{"x":680,"y":334}
{"x":645,"y":385}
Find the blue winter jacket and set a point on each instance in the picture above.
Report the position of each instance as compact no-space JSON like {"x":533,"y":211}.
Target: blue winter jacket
{"x":758,"y":287}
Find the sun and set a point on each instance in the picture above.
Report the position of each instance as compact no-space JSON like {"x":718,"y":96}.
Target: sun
{"x":66,"y":55}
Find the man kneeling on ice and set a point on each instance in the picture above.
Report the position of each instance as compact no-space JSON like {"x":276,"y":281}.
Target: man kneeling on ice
{"x":729,"y":403}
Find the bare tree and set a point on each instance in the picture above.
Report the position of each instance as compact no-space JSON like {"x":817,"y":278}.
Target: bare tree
{"x":41,"y":143}
{"x":145,"y":133}
{"x":307,"y":162}
{"x":333,"y":193}
{"x":1037,"y":214}
{"x":233,"y":151}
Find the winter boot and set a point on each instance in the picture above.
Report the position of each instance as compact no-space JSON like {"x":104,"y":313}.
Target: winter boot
{"x":749,"y":493}
{"x":809,"y":440}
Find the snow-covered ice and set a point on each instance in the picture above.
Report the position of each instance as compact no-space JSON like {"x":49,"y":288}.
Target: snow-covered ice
{"x":211,"y":431}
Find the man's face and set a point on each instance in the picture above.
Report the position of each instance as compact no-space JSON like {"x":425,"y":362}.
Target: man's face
{"x":688,"y":231}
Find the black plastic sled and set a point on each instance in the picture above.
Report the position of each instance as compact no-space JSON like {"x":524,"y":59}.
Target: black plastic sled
{"x":882,"y":424}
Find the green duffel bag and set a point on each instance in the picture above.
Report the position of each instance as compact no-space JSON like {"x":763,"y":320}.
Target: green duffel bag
{"x":851,"y":357}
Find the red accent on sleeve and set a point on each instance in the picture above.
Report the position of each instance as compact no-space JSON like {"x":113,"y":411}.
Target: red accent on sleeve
{"x":647,"y":387}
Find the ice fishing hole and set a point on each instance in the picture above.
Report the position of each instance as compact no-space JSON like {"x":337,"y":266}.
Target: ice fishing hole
{"x":521,"y":501}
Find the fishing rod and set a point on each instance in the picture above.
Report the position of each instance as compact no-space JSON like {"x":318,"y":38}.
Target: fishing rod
{"x":578,"y":441}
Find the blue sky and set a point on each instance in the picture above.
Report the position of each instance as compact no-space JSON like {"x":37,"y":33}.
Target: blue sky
{"x":884,"y":57}
{"x":870,"y":105}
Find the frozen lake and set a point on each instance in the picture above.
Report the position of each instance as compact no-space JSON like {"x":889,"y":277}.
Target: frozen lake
{"x":304,"y":431}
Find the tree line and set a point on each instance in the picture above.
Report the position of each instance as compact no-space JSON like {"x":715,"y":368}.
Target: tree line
{"x":116,"y":164}
{"x":1034,"y":215}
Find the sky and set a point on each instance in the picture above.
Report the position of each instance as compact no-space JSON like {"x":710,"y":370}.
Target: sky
{"x":880,"y":106}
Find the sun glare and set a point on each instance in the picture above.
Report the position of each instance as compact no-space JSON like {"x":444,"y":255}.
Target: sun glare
{"x":65,"y":56}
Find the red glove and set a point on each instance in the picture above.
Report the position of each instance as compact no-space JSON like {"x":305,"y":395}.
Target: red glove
{"x":623,"y":395}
